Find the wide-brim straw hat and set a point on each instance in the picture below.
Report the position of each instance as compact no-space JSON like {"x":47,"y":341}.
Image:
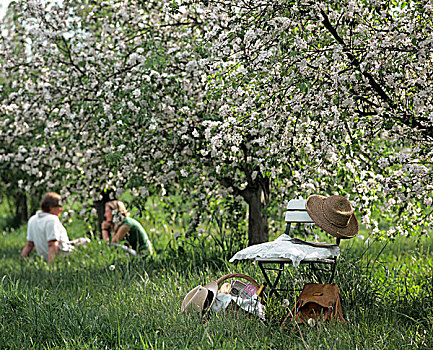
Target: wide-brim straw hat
{"x":200,"y":298}
{"x":334,"y":215}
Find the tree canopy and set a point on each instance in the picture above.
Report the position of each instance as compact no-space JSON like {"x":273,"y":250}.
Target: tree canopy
{"x":256,"y":101}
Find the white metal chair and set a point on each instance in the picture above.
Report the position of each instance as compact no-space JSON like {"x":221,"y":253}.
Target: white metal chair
{"x":287,"y":250}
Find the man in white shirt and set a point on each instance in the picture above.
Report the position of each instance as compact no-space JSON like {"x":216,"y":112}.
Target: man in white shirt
{"x":46,"y":233}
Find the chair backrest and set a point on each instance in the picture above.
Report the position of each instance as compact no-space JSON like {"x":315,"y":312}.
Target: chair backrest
{"x":296,"y":212}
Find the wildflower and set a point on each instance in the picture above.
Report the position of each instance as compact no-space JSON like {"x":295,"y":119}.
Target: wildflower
{"x":112,"y":267}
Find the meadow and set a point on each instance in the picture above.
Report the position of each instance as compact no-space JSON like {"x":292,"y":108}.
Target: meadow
{"x":100,"y":298}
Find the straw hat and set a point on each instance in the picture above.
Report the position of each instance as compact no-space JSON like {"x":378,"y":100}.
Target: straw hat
{"x":200,"y":298}
{"x":334,"y":215}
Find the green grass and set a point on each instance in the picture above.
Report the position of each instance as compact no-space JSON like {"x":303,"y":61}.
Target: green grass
{"x":98,"y":298}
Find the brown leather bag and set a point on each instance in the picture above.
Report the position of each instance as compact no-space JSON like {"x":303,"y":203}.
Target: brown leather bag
{"x":320,"y":302}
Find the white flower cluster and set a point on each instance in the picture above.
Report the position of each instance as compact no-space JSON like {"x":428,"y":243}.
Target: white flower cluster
{"x":221,"y":99}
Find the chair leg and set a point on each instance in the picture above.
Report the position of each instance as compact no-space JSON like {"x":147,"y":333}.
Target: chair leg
{"x":334,"y":265}
{"x":272,"y":285}
{"x":330,"y":271}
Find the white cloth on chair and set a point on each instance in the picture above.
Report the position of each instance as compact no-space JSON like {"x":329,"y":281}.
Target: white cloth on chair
{"x":286,"y":249}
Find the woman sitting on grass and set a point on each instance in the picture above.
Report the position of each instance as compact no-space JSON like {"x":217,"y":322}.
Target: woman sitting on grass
{"x":121,"y":227}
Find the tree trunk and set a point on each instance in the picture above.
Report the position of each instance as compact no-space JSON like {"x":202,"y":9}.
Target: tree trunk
{"x":258,"y":229}
{"x":21,"y":210}
{"x":100,"y":209}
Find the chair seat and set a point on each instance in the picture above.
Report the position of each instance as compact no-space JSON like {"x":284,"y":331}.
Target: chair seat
{"x":288,"y":250}
{"x":287,"y":260}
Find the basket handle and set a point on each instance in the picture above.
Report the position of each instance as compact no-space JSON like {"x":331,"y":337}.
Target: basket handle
{"x":238,"y":275}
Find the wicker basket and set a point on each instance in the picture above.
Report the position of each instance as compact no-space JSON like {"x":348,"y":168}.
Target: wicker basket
{"x":237,"y":275}
{"x":234,"y":307}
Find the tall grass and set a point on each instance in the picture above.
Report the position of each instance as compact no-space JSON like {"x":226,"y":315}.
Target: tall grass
{"x":100,"y":298}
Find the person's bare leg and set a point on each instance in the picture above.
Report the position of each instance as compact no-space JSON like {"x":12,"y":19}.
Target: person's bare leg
{"x":126,"y":249}
{"x":80,"y":241}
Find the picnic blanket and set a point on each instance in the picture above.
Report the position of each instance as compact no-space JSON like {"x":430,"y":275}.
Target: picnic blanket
{"x":286,"y":249}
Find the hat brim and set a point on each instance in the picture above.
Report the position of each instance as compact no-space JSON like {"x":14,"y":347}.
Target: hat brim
{"x":195,"y":299}
{"x":212,"y":288}
{"x":200,"y":298}
{"x":314,"y":206}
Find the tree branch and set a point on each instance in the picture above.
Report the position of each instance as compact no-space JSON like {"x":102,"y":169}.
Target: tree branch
{"x":406,"y":119}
